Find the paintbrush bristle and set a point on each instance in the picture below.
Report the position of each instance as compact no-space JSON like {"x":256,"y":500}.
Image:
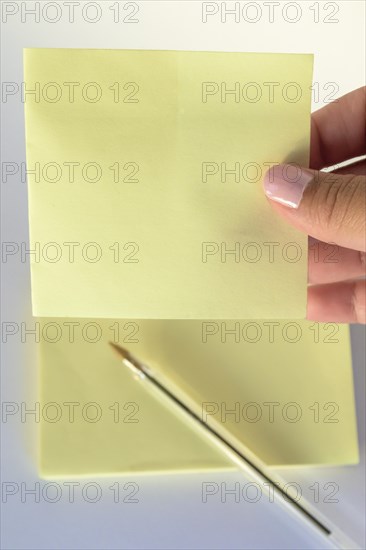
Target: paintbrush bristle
{"x":122,"y":352}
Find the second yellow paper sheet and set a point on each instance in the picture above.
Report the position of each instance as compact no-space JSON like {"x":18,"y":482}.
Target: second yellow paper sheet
{"x":280,"y":392}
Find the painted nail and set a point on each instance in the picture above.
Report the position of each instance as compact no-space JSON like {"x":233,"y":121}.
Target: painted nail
{"x":286,"y":183}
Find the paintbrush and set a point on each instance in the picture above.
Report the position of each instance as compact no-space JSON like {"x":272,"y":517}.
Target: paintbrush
{"x":144,"y":373}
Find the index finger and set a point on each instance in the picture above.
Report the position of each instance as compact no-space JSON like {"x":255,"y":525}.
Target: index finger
{"x":338,"y":130}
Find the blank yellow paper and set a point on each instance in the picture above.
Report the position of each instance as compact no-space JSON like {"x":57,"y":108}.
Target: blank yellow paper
{"x":301,"y":371}
{"x":145,"y":173}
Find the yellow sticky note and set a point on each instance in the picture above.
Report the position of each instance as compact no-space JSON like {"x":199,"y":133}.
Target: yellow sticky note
{"x":280,"y":391}
{"x":144,"y":171}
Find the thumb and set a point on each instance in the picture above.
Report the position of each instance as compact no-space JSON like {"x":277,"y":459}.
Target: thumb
{"x":328,"y":206}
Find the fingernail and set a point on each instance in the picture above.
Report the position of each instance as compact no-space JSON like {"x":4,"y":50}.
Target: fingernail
{"x":286,"y":183}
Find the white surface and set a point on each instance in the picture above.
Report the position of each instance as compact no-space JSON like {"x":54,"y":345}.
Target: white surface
{"x":170,"y":512}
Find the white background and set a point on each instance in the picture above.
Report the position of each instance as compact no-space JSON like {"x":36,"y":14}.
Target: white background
{"x":170,"y":512}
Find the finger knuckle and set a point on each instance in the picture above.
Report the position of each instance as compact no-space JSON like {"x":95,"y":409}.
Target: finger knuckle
{"x":338,"y":201}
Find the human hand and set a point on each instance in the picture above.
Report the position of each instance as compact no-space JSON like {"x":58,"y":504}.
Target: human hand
{"x":331,"y":208}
